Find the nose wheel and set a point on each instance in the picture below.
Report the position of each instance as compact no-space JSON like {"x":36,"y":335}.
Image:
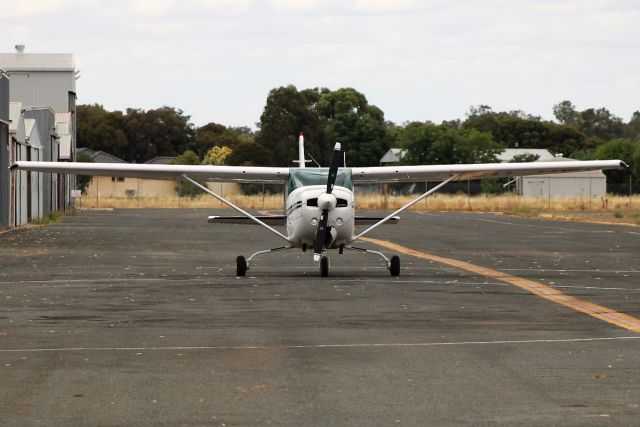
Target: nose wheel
{"x":324,"y":266}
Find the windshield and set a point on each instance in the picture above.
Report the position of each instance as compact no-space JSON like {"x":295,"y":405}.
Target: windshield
{"x":300,"y":177}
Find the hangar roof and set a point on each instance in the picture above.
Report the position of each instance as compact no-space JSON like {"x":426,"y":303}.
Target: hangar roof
{"x":37,"y":62}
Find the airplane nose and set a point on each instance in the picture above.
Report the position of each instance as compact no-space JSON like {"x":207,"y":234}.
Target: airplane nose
{"x":327,"y":201}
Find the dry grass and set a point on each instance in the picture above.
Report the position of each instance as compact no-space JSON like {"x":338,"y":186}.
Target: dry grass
{"x":438,"y":202}
{"x":501,"y":203}
{"x":275,"y":201}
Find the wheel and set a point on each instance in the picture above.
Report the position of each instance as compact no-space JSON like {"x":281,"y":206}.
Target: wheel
{"x":241,"y":266}
{"x":324,"y":266}
{"x":394,"y":268}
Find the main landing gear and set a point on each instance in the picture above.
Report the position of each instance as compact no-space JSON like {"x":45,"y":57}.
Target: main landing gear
{"x":393,"y":264}
{"x":242,"y":264}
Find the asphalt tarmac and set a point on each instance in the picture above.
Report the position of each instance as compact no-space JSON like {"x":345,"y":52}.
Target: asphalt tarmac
{"x":136,"y":317}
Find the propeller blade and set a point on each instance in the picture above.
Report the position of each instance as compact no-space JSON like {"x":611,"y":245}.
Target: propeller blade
{"x":321,"y":235}
{"x":321,"y":232}
{"x":336,"y":159}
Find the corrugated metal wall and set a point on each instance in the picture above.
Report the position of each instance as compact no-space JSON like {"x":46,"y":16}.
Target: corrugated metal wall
{"x":43,"y":88}
{"x":4,"y":155}
{"x":45,"y":120}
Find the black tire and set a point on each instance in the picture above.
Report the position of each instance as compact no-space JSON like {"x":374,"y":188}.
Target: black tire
{"x":241,"y":266}
{"x":324,"y":266}
{"x":394,"y":268}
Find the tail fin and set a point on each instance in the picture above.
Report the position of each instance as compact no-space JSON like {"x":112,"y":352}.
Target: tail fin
{"x":301,"y":161}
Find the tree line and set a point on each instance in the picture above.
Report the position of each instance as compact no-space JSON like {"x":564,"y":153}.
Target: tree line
{"x":326,"y":116}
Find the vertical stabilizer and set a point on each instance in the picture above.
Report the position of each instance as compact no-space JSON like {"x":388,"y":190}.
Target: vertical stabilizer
{"x":301,"y":162}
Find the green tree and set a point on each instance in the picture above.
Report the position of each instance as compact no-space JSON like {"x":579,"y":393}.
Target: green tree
{"x":161,"y":132}
{"x":426,"y":143}
{"x":101,"y":130}
{"x":216,"y":135}
{"x":217,"y":156}
{"x":622,"y":149}
{"x":347,"y":117}
{"x":565,"y":112}
{"x":517,"y":129}
{"x":525,"y":158}
{"x":287,"y":113}
{"x":187,"y":189}
{"x":633,"y":127}
{"x":417,"y":139}
{"x":83,"y":180}
{"x":249,"y":154}
{"x":600,"y":123}
{"x":473,"y":146}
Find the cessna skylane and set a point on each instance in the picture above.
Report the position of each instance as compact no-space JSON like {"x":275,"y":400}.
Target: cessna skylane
{"x":320,"y":205}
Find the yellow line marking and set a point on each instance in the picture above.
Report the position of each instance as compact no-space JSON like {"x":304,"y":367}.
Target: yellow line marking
{"x":547,"y":292}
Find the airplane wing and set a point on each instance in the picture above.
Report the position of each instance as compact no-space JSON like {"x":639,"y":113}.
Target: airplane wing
{"x":475,"y":171}
{"x":149,"y":171}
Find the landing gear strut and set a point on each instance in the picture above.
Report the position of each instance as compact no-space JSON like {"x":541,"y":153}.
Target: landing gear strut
{"x":242,"y":265}
{"x":393,"y":264}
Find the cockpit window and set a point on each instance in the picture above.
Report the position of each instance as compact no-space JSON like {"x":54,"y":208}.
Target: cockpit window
{"x":300,"y":177}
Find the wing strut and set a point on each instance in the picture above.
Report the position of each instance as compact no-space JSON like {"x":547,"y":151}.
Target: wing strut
{"x":184,"y":177}
{"x":404,"y":208}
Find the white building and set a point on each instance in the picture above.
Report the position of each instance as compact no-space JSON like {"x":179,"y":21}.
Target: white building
{"x":34,"y":179}
{"x":18,"y":150}
{"x":569,"y":184}
{"x":586,"y":184}
{"x":44,"y":84}
{"x":41,"y":79}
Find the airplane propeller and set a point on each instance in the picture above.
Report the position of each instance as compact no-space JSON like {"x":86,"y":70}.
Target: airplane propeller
{"x":327,"y":202}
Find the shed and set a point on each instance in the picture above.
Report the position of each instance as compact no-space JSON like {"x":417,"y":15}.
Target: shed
{"x":4,"y":150}
{"x":45,"y":122}
{"x":569,"y":184}
{"x":508,"y":154}
{"x":18,"y":150}
{"x":35,"y":180}
{"x":394,"y":155}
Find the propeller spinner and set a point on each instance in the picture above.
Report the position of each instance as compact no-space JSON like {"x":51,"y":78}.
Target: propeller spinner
{"x":327,"y":202}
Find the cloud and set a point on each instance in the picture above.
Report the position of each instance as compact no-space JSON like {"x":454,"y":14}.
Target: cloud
{"x":386,"y":5}
{"x":296,"y":5}
{"x":233,"y":6}
{"x":152,"y":7}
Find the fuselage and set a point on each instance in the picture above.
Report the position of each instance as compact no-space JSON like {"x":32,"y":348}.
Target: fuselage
{"x":305,"y":186}
{"x":303,"y":215}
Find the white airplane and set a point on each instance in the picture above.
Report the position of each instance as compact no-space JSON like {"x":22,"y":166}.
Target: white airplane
{"x":320,"y":205}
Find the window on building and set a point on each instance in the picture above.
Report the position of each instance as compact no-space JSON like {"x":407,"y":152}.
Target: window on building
{"x":117,"y":179}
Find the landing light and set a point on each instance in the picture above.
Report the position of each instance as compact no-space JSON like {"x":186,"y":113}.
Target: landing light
{"x":314,"y":221}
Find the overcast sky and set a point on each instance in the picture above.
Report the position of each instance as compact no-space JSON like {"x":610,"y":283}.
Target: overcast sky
{"x":416,"y":60}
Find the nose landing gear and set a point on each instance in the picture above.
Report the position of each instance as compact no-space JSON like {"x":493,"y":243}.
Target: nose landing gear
{"x":324,"y":266}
